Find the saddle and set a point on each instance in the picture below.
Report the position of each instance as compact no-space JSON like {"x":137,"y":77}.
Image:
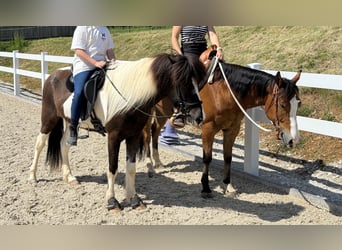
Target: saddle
{"x":91,"y":88}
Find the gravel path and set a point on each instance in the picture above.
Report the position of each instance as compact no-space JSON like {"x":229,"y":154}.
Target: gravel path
{"x":172,"y":195}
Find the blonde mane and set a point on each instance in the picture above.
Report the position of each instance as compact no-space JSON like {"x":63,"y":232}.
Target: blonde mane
{"x":134,"y":86}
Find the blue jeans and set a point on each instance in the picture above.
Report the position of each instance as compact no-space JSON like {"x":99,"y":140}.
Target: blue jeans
{"x":76,"y":106}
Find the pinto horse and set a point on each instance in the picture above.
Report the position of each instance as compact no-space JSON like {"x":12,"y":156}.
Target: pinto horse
{"x":279,"y":97}
{"x":122,"y":105}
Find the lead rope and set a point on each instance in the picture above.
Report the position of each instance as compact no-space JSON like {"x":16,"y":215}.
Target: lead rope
{"x":235,"y":99}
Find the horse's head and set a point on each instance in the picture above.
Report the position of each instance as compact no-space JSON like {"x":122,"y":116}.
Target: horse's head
{"x":187,"y":77}
{"x":281,"y":108}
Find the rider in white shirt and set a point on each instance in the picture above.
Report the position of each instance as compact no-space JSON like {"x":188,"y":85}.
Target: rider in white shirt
{"x":93,"y":46}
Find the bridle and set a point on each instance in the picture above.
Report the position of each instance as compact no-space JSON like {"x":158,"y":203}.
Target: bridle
{"x":275,"y":101}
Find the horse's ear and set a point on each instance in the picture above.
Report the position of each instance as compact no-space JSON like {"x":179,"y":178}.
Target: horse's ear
{"x":277,"y":78}
{"x":295,"y":79}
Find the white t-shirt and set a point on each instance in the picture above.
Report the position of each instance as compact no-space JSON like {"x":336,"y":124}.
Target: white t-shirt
{"x":95,"y":40}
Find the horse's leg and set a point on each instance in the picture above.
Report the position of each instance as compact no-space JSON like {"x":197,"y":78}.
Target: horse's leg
{"x":147,"y":140}
{"x":208,"y":135}
{"x":229,"y":136}
{"x":66,"y":170}
{"x":156,"y":128}
{"x":164,"y":109}
{"x":40,"y":143}
{"x":113,"y":158}
{"x":132,"y":145}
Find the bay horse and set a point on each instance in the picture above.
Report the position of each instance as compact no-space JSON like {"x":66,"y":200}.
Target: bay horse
{"x":279,"y":97}
{"x":122,"y":105}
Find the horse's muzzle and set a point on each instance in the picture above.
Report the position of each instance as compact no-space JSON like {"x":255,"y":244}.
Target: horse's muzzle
{"x":195,"y":116}
{"x":287,"y":139}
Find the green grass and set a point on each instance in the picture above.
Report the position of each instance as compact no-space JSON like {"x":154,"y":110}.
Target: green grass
{"x":306,"y":110}
{"x":313,"y":49}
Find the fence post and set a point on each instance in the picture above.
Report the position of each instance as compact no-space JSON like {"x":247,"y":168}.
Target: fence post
{"x":251,"y":162}
{"x":16,"y":84}
{"x":44,"y":68}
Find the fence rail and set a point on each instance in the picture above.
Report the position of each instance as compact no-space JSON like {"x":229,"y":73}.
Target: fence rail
{"x":251,"y":163}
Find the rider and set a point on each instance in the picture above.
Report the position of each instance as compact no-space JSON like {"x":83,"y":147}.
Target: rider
{"x":93,"y":45}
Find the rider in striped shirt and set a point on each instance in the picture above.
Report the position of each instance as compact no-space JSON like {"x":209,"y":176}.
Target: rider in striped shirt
{"x":193,"y":39}
{"x":193,"y":42}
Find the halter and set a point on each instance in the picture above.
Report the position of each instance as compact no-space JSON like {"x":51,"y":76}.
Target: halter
{"x":215,"y":62}
{"x":275,"y":100}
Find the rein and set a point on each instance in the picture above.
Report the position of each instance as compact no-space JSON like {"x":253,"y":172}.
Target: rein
{"x":232,"y":93}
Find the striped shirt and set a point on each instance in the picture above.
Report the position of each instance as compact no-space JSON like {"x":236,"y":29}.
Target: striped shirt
{"x":194,"y":34}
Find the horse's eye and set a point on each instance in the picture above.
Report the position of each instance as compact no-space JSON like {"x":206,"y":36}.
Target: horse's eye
{"x":282,"y":105}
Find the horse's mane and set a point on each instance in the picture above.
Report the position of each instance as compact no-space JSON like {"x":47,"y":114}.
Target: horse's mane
{"x":134,"y":86}
{"x":182,"y":69}
{"x":242,"y":79}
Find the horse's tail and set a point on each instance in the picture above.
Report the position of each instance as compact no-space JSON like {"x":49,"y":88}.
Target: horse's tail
{"x":53,"y":155}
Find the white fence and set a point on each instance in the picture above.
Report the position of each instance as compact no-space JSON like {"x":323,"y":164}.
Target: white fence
{"x":251,"y":163}
{"x":44,"y":58}
{"x":334,"y":129}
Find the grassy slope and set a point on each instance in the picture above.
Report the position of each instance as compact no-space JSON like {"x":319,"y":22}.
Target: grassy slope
{"x":313,"y":49}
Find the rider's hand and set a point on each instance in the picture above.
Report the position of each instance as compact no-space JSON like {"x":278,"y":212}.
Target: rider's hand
{"x":219,"y":53}
{"x":100,"y":64}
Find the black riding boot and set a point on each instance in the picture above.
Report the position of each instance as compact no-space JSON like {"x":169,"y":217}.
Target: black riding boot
{"x":179,"y":119}
{"x":72,"y":140}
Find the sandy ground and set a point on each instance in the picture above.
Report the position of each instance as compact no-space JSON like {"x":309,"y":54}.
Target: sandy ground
{"x":172,"y":195}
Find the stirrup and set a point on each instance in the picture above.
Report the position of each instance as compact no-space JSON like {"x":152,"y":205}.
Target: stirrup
{"x":84,"y":136}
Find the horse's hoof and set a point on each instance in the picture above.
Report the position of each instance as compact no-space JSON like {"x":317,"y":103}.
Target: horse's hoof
{"x":71,"y":180}
{"x":207,"y":195}
{"x":32,"y":180}
{"x":137,"y":203}
{"x":150,"y":174}
{"x":74,"y":182}
{"x":150,"y":170}
{"x":159,"y":165}
{"x":115,"y":211}
{"x":231,"y":194}
{"x":113,"y":205}
{"x":140,"y":207}
{"x":230,"y":191}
